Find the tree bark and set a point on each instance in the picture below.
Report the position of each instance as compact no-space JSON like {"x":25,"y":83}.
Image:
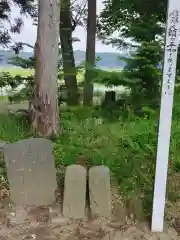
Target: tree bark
{"x":45,"y":119}
{"x":90,"y":52}
{"x":69,"y":67}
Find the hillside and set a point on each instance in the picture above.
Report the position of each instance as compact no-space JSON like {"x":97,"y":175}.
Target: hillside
{"x":108,"y":60}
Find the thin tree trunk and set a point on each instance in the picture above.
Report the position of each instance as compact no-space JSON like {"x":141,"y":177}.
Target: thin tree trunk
{"x":67,"y":53}
{"x":90,"y":52}
{"x":45,"y":119}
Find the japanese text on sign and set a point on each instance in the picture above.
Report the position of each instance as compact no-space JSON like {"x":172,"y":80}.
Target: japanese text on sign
{"x":171,"y":49}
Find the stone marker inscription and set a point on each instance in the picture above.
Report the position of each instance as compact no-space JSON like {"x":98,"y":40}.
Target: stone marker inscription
{"x":31,"y":171}
{"x":75,"y":192}
{"x":100,"y":191}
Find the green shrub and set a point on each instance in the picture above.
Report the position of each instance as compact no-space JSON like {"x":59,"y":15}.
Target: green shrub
{"x":127,"y":146}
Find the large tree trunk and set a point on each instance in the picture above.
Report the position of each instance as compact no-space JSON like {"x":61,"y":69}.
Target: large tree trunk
{"x":45,"y":119}
{"x":67,"y":53}
{"x":90,"y":52}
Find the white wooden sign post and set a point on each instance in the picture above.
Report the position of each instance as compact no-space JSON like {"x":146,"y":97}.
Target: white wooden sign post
{"x":169,"y":73}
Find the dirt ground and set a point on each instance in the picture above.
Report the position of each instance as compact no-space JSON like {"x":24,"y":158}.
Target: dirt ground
{"x":47,"y":223}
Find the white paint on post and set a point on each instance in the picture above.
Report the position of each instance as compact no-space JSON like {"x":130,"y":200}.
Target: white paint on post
{"x":169,"y":73}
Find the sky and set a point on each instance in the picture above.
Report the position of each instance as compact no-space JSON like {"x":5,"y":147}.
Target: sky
{"x":28,"y":33}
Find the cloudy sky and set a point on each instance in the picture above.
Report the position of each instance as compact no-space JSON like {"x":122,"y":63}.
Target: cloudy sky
{"x":28,"y":33}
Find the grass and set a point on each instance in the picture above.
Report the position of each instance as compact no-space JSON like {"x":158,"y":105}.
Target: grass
{"x":17,"y":71}
{"x":128,"y":147}
{"x":27,"y":72}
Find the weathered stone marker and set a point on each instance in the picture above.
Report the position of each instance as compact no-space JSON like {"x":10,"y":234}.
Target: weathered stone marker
{"x":100,"y":191}
{"x":75,"y":192}
{"x":31,"y":171}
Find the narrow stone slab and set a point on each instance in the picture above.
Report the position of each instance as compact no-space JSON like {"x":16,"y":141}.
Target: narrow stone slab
{"x":31,"y":171}
{"x":75,"y":192}
{"x":100,"y":191}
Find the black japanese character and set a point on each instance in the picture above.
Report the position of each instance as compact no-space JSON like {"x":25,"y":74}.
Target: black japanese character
{"x":169,"y":81}
{"x":169,"y":87}
{"x":175,"y":16}
{"x":169,"y":75}
{"x":171,"y":47}
{"x":172,"y":31}
{"x":170,"y":61}
{"x":169,"y":69}
{"x":172,"y":39}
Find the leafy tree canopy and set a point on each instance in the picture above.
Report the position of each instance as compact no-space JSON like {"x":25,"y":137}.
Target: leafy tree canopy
{"x":7,"y":25}
{"x":136,"y":20}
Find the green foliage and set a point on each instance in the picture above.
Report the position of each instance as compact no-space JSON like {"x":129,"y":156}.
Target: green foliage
{"x":109,"y":78}
{"x":141,"y":29}
{"x":13,"y":129}
{"x":142,"y":68}
{"x":26,"y":7}
{"x":178,"y":66}
{"x":3,"y":79}
{"x":127,"y":146}
{"x":23,"y":63}
{"x":6,"y":79}
{"x":133,"y":19}
{"x":25,"y":93}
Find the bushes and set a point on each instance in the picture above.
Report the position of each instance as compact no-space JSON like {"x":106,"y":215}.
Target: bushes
{"x":111,"y":78}
{"x":127,"y":145}
{"x":142,"y":68}
{"x":141,"y":75}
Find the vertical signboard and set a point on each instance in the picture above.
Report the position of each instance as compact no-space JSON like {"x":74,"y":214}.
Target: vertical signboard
{"x":169,"y":73}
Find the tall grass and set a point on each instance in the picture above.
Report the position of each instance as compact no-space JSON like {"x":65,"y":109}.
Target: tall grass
{"x":17,"y":71}
{"x":127,"y":146}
